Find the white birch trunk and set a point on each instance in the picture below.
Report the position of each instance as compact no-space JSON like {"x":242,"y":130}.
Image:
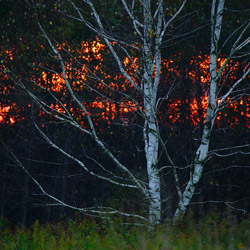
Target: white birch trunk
{"x":202,"y":152}
{"x":151,"y":139}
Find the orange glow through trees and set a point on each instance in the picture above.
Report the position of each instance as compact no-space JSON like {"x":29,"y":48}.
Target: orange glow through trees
{"x":78,"y":72}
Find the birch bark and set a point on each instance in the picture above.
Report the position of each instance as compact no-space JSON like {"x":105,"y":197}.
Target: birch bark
{"x":202,"y":151}
{"x":150,"y":128}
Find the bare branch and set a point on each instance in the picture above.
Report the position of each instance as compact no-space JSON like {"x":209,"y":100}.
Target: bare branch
{"x":135,"y":22}
{"x":80,"y":162}
{"x":92,"y":210}
{"x":173,"y":18}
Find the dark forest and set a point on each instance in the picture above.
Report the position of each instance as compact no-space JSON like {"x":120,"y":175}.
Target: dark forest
{"x":130,"y":110}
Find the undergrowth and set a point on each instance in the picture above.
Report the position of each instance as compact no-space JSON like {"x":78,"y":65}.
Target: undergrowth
{"x":210,"y":233}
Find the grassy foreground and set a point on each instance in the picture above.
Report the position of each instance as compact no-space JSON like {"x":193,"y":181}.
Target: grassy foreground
{"x":89,"y":235}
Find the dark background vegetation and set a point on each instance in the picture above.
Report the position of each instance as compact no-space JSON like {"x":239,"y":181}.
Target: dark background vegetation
{"x":225,"y":183}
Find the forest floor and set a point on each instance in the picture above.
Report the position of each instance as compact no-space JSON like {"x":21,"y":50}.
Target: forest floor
{"x":211,"y":232}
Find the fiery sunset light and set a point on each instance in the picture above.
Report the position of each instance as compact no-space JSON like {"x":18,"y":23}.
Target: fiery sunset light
{"x":107,"y":84}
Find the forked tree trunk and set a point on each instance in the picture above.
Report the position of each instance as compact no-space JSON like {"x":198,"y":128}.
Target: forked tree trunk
{"x":202,"y":152}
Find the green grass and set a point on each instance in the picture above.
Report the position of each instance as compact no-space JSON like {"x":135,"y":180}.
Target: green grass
{"x":212,"y":233}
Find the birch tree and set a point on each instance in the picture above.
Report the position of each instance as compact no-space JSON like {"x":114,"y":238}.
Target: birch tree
{"x":201,"y":155}
{"x":150,"y":22}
